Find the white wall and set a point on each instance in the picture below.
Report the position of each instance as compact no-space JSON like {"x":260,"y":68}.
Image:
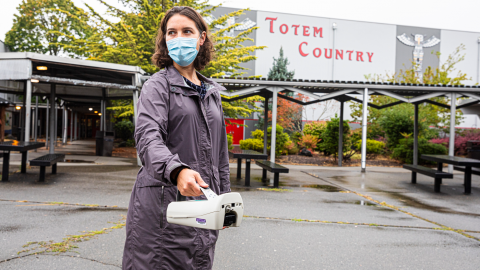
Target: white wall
{"x":362,"y":37}
{"x":450,"y":41}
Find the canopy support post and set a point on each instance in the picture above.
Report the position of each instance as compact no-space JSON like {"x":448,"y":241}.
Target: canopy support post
{"x":35,"y":131}
{"x":274,"y":123}
{"x":47,"y":128}
{"x":71,"y":125}
{"x":65,"y":123}
{"x":451,"y":145}
{"x":75,"y":137}
{"x":28,"y":110}
{"x":53,"y":117}
{"x":340,"y":136}
{"x":364,"y":130}
{"x":265,"y":124}
{"x":415,"y":136}
{"x":101,"y":116}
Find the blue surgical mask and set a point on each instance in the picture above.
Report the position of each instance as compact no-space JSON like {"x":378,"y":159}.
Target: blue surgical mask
{"x":183,"y":50}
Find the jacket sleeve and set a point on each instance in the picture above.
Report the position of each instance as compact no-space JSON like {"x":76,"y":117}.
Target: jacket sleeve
{"x":151,"y":131}
{"x":223,"y":165}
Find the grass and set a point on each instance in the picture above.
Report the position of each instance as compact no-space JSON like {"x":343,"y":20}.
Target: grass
{"x":68,"y":243}
{"x":275,"y":189}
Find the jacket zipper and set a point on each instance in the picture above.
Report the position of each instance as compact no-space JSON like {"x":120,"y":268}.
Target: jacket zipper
{"x":202,"y":108}
{"x":161,"y":209}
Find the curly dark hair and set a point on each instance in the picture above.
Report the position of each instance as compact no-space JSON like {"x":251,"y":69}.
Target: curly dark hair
{"x":161,"y":58}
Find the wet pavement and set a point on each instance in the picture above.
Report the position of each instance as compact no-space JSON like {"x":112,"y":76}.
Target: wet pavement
{"x":319,"y":218}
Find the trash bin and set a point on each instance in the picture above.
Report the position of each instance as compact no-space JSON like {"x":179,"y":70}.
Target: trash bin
{"x":473,"y":149}
{"x":108,"y":143}
{"x":19,"y":133}
{"x":99,"y":143}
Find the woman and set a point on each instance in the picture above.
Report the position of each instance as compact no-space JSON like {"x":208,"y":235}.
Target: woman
{"x":182,"y":143}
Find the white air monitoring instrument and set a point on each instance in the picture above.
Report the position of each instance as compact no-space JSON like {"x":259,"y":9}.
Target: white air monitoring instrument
{"x":213,"y":213}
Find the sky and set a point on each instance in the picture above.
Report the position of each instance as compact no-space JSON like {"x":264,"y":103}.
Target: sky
{"x":443,"y":14}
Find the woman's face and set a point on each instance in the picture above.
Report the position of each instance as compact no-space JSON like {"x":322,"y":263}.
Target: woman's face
{"x":182,"y":26}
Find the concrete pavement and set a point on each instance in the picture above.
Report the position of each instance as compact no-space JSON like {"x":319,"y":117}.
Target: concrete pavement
{"x":321,"y":218}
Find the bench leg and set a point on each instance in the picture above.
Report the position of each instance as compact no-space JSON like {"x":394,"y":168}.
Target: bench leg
{"x":438,"y":182}
{"x":276,"y":179}
{"x":24,"y":162}
{"x":264,"y":175}
{"x":239,"y":168}
{"x":54,"y":168}
{"x":247,"y":172}
{"x":440,"y":169}
{"x":6,"y":166}
{"x":42,"y":174}
{"x":414,"y":177}
{"x":468,"y":180}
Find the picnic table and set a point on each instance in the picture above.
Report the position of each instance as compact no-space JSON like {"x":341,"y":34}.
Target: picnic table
{"x":247,"y":155}
{"x":458,"y":161}
{"x":20,"y":146}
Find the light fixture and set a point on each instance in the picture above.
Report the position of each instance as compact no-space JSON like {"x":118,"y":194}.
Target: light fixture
{"x":95,"y":111}
{"x":90,"y":109}
{"x":99,"y":113}
{"x":34,"y":80}
{"x":18,"y":107}
{"x":42,"y":68}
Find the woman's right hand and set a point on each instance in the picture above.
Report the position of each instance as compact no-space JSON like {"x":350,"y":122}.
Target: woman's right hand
{"x":188,"y":181}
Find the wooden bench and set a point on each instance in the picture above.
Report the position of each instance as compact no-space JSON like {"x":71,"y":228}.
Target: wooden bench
{"x":47,"y":160}
{"x":437,"y":174}
{"x":271,"y":167}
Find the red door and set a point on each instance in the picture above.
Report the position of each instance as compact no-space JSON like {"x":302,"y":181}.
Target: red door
{"x":236,"y":130}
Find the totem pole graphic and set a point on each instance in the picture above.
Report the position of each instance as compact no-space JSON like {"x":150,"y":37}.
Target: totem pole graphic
{"x":418,"y":43}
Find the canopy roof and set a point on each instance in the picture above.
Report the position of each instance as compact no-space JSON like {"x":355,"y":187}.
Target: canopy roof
{"x":76,"y":80}
{"x":322,"y":90}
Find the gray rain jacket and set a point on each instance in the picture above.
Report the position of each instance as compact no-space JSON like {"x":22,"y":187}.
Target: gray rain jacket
{"x":174,"y":128}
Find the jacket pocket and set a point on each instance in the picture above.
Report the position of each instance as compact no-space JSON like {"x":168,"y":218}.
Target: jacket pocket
{"x":144,"y":179}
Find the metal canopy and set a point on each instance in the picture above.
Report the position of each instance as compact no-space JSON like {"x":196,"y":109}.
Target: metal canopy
{"x":79,"y":83}
{"x":322,"y":90}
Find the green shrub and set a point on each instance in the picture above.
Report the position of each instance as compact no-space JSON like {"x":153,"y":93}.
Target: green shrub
{"x":308,"y":141}
{"x":296,"y":136}
{"x":314,"y":128}
{"x":130,"y":143}
{"x":124,"y":129}
{"x":331,"y":135}
{"x":404,"y":150}
{"x":281,"y":138}
{"x":395,"y":122}
{"x":291,"y":148}
{"x":251,"y":144}
{"x":230,"y":141}
{"x":258,"y":134}
{"x":256,"y":143}
{"x":373,"y":147}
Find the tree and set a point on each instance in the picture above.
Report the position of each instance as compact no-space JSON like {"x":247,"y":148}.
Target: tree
{"x":289,"y":114}
{"x":55,"y":27}
{"x":431,"y":115}
{"x":131,"y":41}
{"x":331,"y":135}
{"x":279,"y":69}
